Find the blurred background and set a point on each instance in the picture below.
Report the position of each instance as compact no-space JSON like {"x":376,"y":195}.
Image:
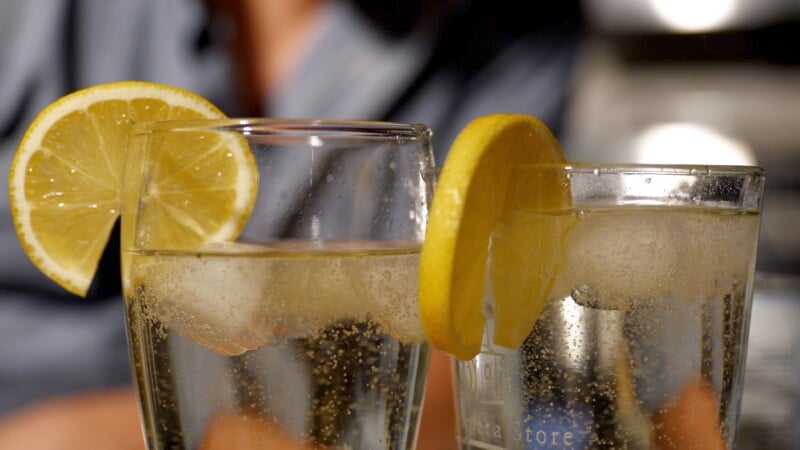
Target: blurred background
{"x":711,"y":81}
{"x":658,"y":81}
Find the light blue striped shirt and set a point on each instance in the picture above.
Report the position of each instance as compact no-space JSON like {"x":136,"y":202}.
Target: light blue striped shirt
{"x":443,"y":74}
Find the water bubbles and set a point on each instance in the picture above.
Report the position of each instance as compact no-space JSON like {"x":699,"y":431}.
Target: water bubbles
{"x":585,"y":295}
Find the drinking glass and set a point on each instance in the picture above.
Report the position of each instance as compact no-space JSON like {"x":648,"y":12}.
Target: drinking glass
{"x":642,"y":340}
{"x":304,"y":332}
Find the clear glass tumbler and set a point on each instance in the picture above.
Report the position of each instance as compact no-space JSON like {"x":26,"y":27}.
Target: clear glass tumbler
{"x":641,"y":343}
{"x":303,"y":332}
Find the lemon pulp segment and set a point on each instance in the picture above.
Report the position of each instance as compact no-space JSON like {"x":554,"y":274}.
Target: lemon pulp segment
{"x":65,"y":177}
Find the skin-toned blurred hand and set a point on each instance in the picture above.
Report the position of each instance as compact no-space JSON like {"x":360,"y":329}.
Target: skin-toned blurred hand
{"x":92,"y":421}
{"x":691,"y":422}
{"x":437,"y":430}
{"x":110,"y":420}
{"x":235,"y":431}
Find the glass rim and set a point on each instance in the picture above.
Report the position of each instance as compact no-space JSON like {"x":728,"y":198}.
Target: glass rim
{"x":605,"y":168}
{"x":349,"y":129}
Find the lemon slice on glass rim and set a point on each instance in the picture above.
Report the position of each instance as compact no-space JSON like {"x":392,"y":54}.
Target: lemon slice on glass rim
{"x":65,"y":180}
{"x":471,"y":199}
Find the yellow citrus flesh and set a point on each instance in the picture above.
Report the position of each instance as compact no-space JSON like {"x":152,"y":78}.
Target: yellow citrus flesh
{"x":186,"y":188}
{"x":527,"y":251}
{"x":471,"y":198}
{"x":65,"y":178}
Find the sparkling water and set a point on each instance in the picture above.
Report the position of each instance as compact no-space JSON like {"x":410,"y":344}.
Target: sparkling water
{"x":320,"y":346}
{"x":641,"y":342}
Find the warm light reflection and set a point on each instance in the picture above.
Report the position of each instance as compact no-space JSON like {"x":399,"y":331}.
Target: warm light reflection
{"x":686,"y":143}
{"x":694,"y":15}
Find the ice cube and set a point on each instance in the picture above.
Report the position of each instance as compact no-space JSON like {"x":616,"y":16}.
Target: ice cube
{"x":216,"y":302}
{"x":321,"y":291}
{"x":618,"y":259}
{"x":232,"y":303}
{"x":385,"y":288}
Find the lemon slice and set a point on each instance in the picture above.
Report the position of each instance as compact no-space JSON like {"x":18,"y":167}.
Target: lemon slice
{"x":65,"y":178}
{"x":470,"y":199}
{"x":528,"y":249}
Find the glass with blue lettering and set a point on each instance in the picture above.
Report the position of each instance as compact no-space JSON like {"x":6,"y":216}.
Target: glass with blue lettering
{"x":642,"y":334}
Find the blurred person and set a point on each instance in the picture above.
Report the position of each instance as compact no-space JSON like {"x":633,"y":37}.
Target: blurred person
{"x":64,"y":365}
